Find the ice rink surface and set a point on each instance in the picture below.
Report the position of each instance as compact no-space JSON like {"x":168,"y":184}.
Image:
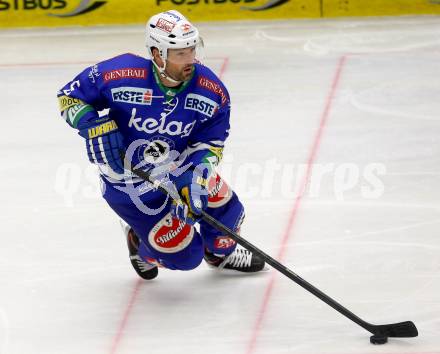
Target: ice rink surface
{"x":334,"y":149}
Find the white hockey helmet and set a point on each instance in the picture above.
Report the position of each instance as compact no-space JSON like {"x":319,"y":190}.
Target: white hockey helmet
{"x":171,"y":30}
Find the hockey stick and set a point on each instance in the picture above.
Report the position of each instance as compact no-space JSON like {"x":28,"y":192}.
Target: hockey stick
{"x":380,"y":332}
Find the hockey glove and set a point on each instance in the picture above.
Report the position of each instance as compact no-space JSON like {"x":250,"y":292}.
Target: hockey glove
{"x":192,"y":187}
{"x":104,"y":143}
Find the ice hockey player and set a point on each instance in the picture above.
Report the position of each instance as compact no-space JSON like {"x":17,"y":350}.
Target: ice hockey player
{"x":170,"y":115}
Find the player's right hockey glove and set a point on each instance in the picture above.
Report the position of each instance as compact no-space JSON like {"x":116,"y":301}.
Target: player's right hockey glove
{"x":192,"y":187}
{"x":103,"y":143}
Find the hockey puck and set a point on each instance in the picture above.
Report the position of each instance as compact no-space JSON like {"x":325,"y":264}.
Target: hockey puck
{"x":378,"y":339}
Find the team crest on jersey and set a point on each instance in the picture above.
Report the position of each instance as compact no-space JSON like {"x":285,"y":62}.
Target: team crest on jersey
{"x":170,"y":235}
{"x":132,"y":95}
{"x":156,"y":151}
{"x":201,"y":104}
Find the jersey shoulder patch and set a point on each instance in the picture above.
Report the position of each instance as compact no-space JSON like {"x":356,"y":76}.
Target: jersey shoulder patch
{"x":122,"y":67}
{"x":208,"y":84}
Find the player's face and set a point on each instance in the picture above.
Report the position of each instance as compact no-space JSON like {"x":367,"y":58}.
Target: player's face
{"x":180,"y":63}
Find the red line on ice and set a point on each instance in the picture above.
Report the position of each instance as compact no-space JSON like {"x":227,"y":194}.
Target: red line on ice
{"x":88,"y":62}
{"x":120,"y":332}
{"x":30,"y":65}
{"x":291,"y":222}
{"x":223,"y":67}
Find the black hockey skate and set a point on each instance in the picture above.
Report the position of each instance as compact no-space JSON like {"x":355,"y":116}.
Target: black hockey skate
{"x":144,"y":269}
{"x":240,"y":260}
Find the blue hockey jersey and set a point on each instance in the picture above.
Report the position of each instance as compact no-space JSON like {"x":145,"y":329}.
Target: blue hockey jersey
{"x":159,"y":124}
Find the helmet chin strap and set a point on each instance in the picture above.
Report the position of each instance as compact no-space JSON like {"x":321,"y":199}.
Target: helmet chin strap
{"x":163,"y":74}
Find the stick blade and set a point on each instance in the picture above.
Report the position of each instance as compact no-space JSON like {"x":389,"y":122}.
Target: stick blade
{"x":398,"y":330}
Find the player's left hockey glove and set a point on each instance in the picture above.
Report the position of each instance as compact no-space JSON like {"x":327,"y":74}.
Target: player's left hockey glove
{"x":192,"y":187}
{"x":104,"y":143}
